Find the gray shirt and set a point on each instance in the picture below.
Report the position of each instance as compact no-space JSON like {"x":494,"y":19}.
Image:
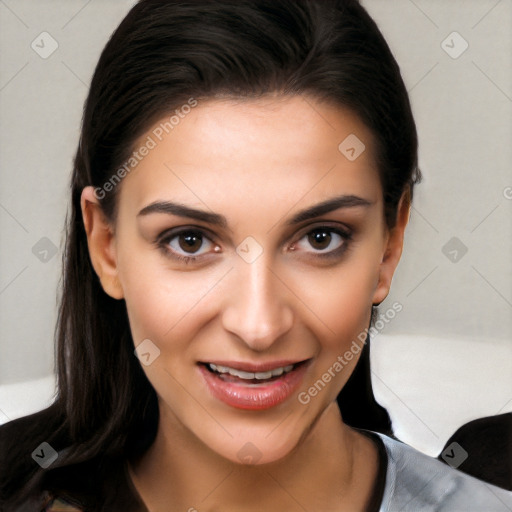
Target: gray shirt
{"x":416,"y":482}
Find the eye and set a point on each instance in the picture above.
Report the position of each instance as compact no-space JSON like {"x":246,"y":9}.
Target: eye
{"x":184,"y":245}
{"x":327,"y":242}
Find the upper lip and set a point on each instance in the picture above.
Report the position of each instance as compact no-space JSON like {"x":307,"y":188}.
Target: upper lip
{"x":255,"y":367}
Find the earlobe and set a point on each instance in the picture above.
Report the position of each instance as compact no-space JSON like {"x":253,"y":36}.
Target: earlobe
{"x":101,"y":243}
{"x":393,"y":250}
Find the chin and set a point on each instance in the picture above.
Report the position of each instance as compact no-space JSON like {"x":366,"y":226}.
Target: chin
{"x":253,"y":451}
{"x":262,"y":444}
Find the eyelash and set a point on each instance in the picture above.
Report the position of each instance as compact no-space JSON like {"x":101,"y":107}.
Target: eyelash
{"x":163,"y":242}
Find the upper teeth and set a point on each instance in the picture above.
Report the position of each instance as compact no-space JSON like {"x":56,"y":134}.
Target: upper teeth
{"x":250,"y":375}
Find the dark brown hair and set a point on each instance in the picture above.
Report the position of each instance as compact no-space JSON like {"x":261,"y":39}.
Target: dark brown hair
{"x":162,"y":54}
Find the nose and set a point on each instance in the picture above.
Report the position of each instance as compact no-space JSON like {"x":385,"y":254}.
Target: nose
{"x":258,"y":309}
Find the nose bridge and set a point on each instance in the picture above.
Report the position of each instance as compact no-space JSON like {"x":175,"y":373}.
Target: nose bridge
{"x":258,"y":309}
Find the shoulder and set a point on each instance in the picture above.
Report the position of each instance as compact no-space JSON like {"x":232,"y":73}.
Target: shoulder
{"x":420,"y":483}
{"x":42,"y":468}
{"x":20,"y":440}
{"x":22,"y":433}
{"x":39,"y":470}
{"x":488,"y":440}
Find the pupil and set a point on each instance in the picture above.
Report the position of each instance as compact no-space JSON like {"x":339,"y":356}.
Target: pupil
{"x":320,"y":237}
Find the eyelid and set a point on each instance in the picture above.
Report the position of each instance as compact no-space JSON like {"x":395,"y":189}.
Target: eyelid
{"x":178,"y":230}
{"x":335,"y":226}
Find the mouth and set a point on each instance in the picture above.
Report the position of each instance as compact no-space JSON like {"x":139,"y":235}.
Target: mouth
{"x":253,"y":386}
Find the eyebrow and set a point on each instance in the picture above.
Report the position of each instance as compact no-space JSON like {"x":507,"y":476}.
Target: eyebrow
{"x":181,"y":210}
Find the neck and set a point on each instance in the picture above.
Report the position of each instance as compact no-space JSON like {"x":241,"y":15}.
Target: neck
{"x":335,"y":461}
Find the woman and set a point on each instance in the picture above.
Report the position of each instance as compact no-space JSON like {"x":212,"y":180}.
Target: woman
{"x":239,"y":200}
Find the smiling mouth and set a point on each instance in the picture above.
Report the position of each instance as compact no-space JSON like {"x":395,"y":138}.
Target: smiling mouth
{"x":253,"y":386}
{"x":230,"y":374}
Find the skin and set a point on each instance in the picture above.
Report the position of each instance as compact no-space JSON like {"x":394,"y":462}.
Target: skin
{"x":257,"y":162}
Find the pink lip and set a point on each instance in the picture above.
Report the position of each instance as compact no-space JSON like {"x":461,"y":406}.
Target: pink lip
{"x":254,"y":396}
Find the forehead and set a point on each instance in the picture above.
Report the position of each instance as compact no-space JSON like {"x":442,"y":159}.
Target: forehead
{"x":278,"y":148}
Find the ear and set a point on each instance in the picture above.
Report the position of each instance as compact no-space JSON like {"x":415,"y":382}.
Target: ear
{"x":101,"y":243}
{"x":393,"y":249}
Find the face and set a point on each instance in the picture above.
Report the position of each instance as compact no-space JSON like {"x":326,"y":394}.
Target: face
{"x":248,"y":295}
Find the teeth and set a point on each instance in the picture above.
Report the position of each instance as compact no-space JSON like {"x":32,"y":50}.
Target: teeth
{"x":263,"y":375}
{"x":250,"y":375}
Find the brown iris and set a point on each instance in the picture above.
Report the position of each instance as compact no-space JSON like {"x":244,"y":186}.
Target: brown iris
{"x":319,"y":236}
{"x":192,"y":241}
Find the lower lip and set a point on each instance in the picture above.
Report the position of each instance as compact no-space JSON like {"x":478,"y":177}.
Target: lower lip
{"x":254,"y":396}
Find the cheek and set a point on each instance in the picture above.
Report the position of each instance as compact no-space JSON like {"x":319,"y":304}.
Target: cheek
{"x":164,"y":309}
{"x":343,"y":304}
{"x":342,"y":300}
{"x":170,"y":315}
